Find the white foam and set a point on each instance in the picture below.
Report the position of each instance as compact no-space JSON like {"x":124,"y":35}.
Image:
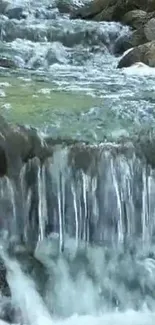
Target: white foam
{"x":44,"y":91}
{"x":2,"y":93}
{"x":35,"y":312}
{"x":139,"y":68}
{"x":26,"y":297}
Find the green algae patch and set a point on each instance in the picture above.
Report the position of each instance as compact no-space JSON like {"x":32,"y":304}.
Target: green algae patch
{"x":25,"y":100}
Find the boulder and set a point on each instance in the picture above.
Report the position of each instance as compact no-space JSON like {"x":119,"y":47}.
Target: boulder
{"x":135,"y":18}
{"x":127,"y":41}
{"x":114,"y":9}
{"x":65,"y":6}
{"x":149,"y":30}
{"x":105,"y":15}
{"x":93,"y":8}
{"x":122,"y":44}
{"x":3,"y":6}
{"x":138,"y":37}
{"x":150,"y":5}
{"x":14,"y":12}
{"x":7,"y":63}
{"x":18,"y":144}
{"x":143,"y":53}
{"x":124,"y":6}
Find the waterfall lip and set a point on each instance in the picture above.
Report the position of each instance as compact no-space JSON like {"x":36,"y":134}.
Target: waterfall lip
{"x":20,"y":144}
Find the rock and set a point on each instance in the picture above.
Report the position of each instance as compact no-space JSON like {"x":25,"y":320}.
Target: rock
{"x":7,"y":63}
{"x":90,"y":10}
{"x":105,"y":15}
{"x":124,"y":6}
{"x":143,"y":53}
{"x":65,"y":7}
{"x":135,"y":18}
{"x":14,"y":13}
{"x":113,"y":10}
{"x":8,"y":312}
{"x":149,"y":30}
{"x":127,"y":41}
{"x":3,"y":6}
{"x":138,"y":37}
{"x":122,"y":44}
{"x":150,"y":5}
{"x":18,"y":144}
{"x":4,"y":287}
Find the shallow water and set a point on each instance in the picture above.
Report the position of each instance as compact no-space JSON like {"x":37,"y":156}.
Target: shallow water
{"x":77,"y":70}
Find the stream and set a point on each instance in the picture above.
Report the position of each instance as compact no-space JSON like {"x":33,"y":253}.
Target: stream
{"x":87,"y":212}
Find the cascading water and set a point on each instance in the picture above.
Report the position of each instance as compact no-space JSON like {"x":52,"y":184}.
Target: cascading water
{"x":70,"y":193}
{"x":77,"y":222}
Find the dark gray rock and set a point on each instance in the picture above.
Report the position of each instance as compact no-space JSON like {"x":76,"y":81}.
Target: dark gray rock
{"x":149,"y":30}
{"x":7,"y":63}
{"x":4,"y":287}
{"x":122,"y":44}
{"x":3,"y":6}
{"x":15,"y":13}
{"x":135,"y":18}
{"x":143,"y":53}
{"x":8,"y":312}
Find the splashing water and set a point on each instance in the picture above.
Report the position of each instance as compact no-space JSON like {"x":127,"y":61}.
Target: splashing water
{"x":34,"y":310}
{"x":25,"y":295}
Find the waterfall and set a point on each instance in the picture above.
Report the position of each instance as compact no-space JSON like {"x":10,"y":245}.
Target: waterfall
{"x":92,"y":193}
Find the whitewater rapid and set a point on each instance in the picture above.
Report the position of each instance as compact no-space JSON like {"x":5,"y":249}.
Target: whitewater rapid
{"x":34,"y":311}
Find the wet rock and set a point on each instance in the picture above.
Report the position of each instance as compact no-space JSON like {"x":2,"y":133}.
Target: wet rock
{"x":122,"y":44}
{"x":14,"y":13}
{"x":4,"y":287}
{"x":149,"y":30}
{"x":105,"y":15}
{"x":3,"y":6}
{"x":7,"y":63}
{"x":150,"y":5}
{"x":19,"y":144}
{"x":65,"y":6}
{"x":122,"y":7}
{"x":90,"y":10}
{"x":8,"y":312}
{"x":130,"y":40}
{"x":135,"y":18}
{"x":143,"y":53}
{"x":138,"y":37}
{"x":111,"y":9}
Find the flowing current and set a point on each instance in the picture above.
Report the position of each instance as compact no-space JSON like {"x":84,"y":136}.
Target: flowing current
{"x":97,"y":210}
